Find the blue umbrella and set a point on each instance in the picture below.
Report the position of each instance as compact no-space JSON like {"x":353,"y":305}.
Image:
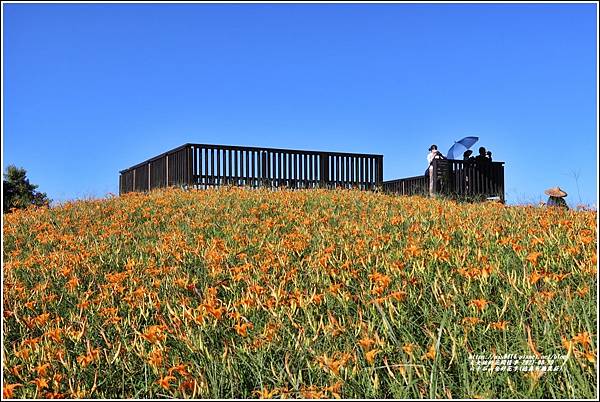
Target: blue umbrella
{"x":457,"y":150}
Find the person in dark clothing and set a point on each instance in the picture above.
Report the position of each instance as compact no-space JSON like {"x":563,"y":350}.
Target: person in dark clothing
{"x":556,"y":198}
{"x":468,"y":159}
{"x":482,"y":158}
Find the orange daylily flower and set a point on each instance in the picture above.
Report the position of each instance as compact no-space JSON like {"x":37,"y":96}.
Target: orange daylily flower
{"x":85,"y":360}
{"x":480,"y":304}
{"x":242,"y":329}
{"x":581,"y":292}
{"x":430,"y":354}
{"x":41,"y":370}
{"x":333,"y":364}
{"x":567,"y":344}
{"x":154,"y":334}
{"x":583,"y":338}
{"x":370,"y":356}
{"x":499,"y":325}
{"x":165,"y":382}
{"x":187,"y":385}
{"x":40,"y":383}
{"x":180,"y":369}
{"x":366,"y":343}
{"x":156,"y":358}
{"x":534,"y":277}
{"x":408,"y":348}
{"x":55,"y":334}
{"x":8,"y":390}
{"x":533,"y":257}
{"x":265,"y":393}
{"x":471,"y":320}
{"x":41,"y":319}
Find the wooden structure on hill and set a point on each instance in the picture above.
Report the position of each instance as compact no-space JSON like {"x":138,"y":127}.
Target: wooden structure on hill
{"x":203,"y":166}
{"x":455,"y":178}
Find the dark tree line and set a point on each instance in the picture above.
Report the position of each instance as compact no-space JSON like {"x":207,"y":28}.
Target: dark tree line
{"x":18,"y":192}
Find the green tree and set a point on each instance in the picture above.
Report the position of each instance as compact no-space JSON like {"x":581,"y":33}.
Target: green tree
{"x":19,"y":192}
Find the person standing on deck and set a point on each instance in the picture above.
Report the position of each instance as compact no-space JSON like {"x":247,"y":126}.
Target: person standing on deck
{"x":433,"y":154}
{"x":483,"y":158}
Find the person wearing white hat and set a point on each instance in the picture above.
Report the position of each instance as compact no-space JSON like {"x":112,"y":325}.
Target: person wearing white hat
{"x":555,"y":198}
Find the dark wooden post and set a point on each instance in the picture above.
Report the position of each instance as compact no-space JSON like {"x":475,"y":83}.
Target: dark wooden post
{"x":379,"y":178}
{"x":188,"y":166}
{"x":324,"y":169}
{"x":263,"y":167}
{"x":501,"y":183}
{"x":321,"y":170}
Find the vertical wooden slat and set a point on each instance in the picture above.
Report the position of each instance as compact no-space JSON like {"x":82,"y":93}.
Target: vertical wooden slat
{"x":269,"y":168}
{"x":351,"y":171}
{"x":239,"y":166}
{"x":280,"y":181}
{"x":211,"y":166}
{"x":316,"y":170}
{"x":221,"y":172}
{"x":247,"y":167}
{"x":273,"y":164}
{"x":358,"y":171}
{"x":302,"y":171}
{"x":321,"y":170}
{"x":205,"y":172}
{"x":200,"y":167}
{"x":263,"y":163}
{"x":293,"y":170}
{"x":299,"y":167}
{"x":371,"y":172}
{"x":252,"y":170}
{"x":341,"y":171}
{"x":281,"y":168}
{"x":334,"y":171}
{"x":311,"y":170}
{"x":367,"y":162}
{"x":285,"y":169}
{"x":227,"y":163}
{"x":189,"y":170}
{"x":234,"y":172}
{"x":362,"y":173}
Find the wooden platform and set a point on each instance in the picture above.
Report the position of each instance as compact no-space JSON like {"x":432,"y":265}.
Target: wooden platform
{"x":205,"y":165}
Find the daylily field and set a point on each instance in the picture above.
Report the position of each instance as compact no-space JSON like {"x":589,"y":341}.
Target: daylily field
{"x":236,"y":293}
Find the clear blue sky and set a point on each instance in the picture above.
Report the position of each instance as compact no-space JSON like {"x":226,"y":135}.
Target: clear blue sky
{"x":91,"y":89}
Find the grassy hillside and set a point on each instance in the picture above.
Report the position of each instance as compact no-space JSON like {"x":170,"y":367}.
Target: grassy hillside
{"x":252,"y":293}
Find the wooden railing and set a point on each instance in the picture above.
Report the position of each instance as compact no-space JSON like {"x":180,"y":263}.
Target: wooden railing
{"x":472,"y":179}
{"x":456,"y":178}
{"x":203,"y":166}
{"x":416,"y":185}
{"x":168,"y":169}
